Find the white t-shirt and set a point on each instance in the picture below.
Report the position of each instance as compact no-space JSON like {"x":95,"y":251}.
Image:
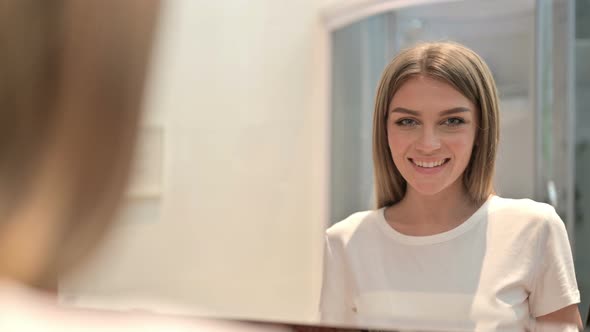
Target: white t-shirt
{"x":508,"y":263}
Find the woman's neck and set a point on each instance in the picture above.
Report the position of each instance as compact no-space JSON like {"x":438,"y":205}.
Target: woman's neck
{"x":420,"y":215}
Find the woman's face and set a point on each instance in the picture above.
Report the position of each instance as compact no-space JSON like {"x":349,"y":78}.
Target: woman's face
{"x":431,"y":129}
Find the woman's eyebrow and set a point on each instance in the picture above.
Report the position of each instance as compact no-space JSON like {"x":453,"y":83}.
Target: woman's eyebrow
{"x":450,"y":111}
{"x":454,"y":110}
{"x":405,"y":111}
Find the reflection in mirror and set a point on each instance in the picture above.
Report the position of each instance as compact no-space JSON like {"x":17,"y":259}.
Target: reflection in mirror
{"x":438,"y":252}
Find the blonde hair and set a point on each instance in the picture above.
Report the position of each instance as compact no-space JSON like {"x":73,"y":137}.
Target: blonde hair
{"x":71,"y":85}
{"x":464,"y":70}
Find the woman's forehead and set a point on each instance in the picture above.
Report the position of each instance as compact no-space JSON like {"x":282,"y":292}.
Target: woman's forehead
{"x":425,"y":94}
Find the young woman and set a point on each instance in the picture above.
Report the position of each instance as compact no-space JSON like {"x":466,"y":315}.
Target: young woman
{"x":441,"y":250}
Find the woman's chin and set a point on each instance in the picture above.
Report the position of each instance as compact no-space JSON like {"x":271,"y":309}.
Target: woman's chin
{"x":430,"y":189}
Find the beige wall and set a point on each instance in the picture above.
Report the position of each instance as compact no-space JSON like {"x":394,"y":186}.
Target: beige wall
{"x":236,"y":228}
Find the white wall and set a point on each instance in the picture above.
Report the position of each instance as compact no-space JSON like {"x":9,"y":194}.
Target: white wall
{"x":238,"y":226}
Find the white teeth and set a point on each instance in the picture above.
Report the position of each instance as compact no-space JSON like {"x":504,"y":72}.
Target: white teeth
{"x":429,"y":164}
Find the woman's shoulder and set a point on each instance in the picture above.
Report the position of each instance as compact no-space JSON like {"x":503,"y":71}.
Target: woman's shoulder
{"x":354,"y":223}
{"x":523,"y":211}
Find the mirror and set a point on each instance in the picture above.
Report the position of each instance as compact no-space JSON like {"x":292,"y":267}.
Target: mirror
{"x":242,"y":167}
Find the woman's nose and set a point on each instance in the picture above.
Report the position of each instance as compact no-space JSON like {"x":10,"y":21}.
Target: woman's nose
{"x":428,"y":141}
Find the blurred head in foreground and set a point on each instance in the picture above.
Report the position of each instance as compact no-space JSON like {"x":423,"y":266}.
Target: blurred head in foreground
{"x":71,"y":82}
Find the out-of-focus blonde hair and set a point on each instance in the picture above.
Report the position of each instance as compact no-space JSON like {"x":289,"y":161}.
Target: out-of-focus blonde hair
{"x":465,"y":71}
{"x":71,"y":83}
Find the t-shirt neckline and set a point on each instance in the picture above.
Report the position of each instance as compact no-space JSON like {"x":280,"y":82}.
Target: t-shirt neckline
{"x":468,"y":224}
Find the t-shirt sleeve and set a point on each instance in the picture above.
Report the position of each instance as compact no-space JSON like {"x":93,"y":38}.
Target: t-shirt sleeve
{"x":336,"y":300}
{"x":554,"y":283}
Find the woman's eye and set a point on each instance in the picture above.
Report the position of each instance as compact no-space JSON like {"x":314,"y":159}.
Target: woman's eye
{"x":453,"y":122}
{"x":406,"y":123}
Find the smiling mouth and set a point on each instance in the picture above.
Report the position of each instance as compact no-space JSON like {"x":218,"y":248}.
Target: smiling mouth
{"x":431,"y":164}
